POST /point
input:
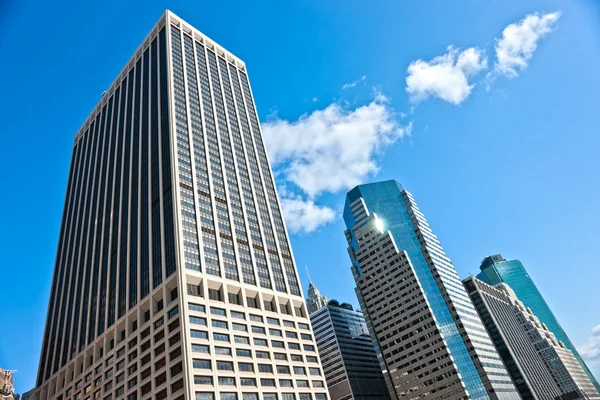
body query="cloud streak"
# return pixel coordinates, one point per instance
(352, 84)
(590, 350)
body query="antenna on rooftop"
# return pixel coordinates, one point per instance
(308, 273)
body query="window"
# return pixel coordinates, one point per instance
(303, 326)
(233, 298)
(262, 354)
(203, 380)
(320, 396)
(224, 365)
(238, 315)
(224, 351)
(288, 396)
(283, 369)
(288, 324)
(228, 396)
(194, 290)
(248, 381)
(217, 311)
(280, 356)
(249, 396)
(245, 367)
(267, 382)
(299, 371)
(251, 302)
(305, 336)
(318, 384)
(242, 340)
(173, 312)
(239, 327)
(293, 346)
(286, 383)
(214, 294)
(243, 353)
(202, 364)
(274, 332)
(198, 334)
(227, 380)
(305, 396)
(258, 329)
(260, 342)
(296, 357)
(197, 320)
(199, 348)
(315, 371)
(291, 335)
(272, 321)
(302, 383)
(298, 311)
(309, 347)
(204, 396)
(269, 396)
(256, 318)
(221, 337)
(109, 373)
(268, 305)
(265, 368)
(278, 344)
(196, 307)
(311, 359)
(219, 324)
(283, 308)
(120, 391)
(132, 383)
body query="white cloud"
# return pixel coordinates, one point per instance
(519, 41)
(329, 150)
(446, 76)
(304, 216)
(315, 99)
(590, 350)
(352, 84)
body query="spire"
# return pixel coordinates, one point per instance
(314, 301)
(308, 273)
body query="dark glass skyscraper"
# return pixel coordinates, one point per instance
(430, 339)
(495, 269)
(173, 258)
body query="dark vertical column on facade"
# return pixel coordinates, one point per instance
(76, 245)
(116, 213)
(78, 332)
(65, 261)
(144, 136)
(135, 210)
(155, 159)
(169, 228)
(126, 201)
(48, 344)
(109, 201)
(99, 210)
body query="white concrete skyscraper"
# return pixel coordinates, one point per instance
(174, 276)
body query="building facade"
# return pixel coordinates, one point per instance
(347, 353)
(7, 389)
(429, 338)
(495, 269)
(314, 301)
(496, 306)
(174, 275)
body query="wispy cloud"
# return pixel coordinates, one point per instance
(519, 42)
(446, 76)
(590, 350)
(352, 84)
(327, 151)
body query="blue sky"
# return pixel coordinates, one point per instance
(498, 163)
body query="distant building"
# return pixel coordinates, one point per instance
(347, 354)
(430, 341)
(314, 301)
(495, 269)
(540, 365)
(7, 389)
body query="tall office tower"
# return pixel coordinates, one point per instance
(498, 311)
(495, 269)
(430, 340)
(541, 366)
(314, 301)
(173, 259)
(347, 353)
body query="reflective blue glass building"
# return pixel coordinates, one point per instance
(442, 327)
(495, 269)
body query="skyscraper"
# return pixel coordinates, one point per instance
(314, 301)
(495, 269)
(173, 258)
(430, 340)
(506, 320)
(346, 350)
